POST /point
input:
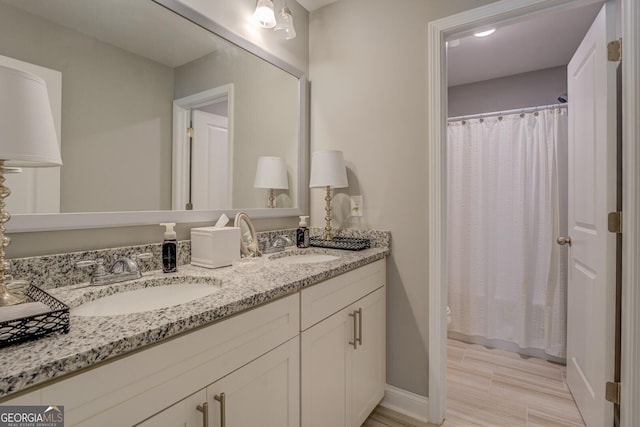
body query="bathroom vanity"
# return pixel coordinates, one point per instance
(286, 345)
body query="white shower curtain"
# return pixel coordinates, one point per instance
(506, 206)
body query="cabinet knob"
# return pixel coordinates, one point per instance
(204, 408)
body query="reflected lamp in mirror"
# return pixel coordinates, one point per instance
(27, 139)
(264, 14)
(271, 173)
(328, 170)
(285, 23)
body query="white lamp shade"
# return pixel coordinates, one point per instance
(271, 172)
(27, 133)
(327, 169)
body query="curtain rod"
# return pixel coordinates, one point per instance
(502, 113)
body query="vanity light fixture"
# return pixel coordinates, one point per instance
(485, 33)
(328, 170)
(27, 139)
(285, 23)
(264, 14)
(271, 173)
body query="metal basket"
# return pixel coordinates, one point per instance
(32, 327)
(348, 243)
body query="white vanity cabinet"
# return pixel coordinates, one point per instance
(262, 393)
(129, 390)
(343, 348)
(313, 358)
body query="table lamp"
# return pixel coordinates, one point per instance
(27, 139)
(328, 170)
(271, 173)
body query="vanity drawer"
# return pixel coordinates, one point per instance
(321, 301)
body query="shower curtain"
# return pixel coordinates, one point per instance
(506, 206)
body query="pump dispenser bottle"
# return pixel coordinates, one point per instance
(169, 249)
(302, 233)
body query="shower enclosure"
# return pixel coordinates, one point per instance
(507, 202)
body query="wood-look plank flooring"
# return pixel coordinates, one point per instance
(492, 387)
(497, 388)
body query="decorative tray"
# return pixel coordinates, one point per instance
(348, 243)
(31, 327)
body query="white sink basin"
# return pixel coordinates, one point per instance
(306, 259)
(145, 299)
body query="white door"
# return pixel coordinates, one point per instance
(210, 164)
(592, 178)
(181, 414)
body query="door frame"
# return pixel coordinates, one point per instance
(180, 148)
(463, 24)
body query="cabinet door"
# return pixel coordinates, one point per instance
(181, 414)
(262, 393)
(326, 366)
(368, 367)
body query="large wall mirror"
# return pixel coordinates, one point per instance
(160, 116)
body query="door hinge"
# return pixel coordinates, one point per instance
(612, 392)
(189, 132)
(614, 50)
(615, 222)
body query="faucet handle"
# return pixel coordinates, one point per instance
(142, 256)
(98, 263)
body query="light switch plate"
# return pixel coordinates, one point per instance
(356, 205)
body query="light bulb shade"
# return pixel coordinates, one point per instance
(27, 133)
(285, 24)
(271, 172)
(327, 169)
(264, 14)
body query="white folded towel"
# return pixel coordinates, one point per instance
(18, 311)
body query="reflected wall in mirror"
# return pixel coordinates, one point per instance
(123, 64)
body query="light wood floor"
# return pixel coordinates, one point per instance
(496, 388)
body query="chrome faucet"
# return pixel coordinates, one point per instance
(123, 269)
(278, 244)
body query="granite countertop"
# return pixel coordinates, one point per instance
(96, 339)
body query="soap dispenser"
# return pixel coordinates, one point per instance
(169, 249)
(302, 233)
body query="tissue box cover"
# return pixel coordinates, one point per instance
(215, 247)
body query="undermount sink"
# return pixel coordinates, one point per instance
(311, 258)
(151, 296)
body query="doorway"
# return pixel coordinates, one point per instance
(438, 31)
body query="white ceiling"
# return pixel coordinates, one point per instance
(545, 41)
(141, 27)
(312, 5)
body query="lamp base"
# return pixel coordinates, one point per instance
(327, 216)
(6, 297)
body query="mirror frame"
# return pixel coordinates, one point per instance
(21, 223)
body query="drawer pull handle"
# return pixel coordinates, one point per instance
(359, 312)
(223, 417)
(204, 408)
(354, 343)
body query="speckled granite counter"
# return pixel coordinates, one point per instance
(96, 339)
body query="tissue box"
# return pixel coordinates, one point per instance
(215, 247)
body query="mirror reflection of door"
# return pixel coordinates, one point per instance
(210, 150)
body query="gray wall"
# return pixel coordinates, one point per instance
(541, 87)
(232, 15)
(368, 98)
(116, 115)
(261, 126)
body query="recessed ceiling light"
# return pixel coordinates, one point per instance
(484, 33)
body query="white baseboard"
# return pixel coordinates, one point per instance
(406, 402)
